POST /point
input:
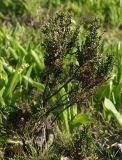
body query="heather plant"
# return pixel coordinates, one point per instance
(77, 80)
(72, 72)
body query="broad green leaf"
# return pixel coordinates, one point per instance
(1, 96)
(82, 119)
(110, 107)
(16, 45)
(38, 85)
(3, 77)
(14, 80)
(65, 115)
(37, 60)
(13, 52)
(9, 68)
(28, 75)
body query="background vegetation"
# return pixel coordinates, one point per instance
(60, 79)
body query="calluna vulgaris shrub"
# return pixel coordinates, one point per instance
(88, 69)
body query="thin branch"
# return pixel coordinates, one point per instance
(63, 85)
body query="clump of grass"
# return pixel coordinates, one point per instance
(80, 145)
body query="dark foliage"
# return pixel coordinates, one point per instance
(61, 38)
(12, 7)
